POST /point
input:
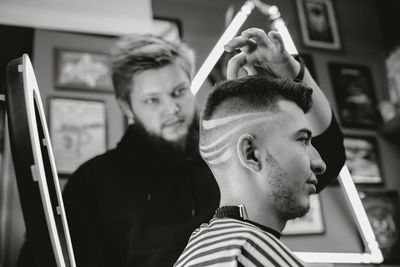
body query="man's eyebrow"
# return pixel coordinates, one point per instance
(180, 85)
(306, 131)
(149, 94)
(156, 93)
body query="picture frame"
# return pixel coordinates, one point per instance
(311, 223)
(318, 24)
(82, 70)
(168, 28)
(363, 159)
(355, 95)
(392, 65)
(78, 131)
(382, 208)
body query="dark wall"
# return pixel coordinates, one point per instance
(15, 42)
(388, 12)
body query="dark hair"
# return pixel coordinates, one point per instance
(135, 52)
(254, 93)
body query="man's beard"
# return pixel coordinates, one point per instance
(181, 149)
(286, 204)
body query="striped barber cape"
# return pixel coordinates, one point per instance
(230, 242)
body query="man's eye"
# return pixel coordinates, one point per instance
(179, 92)
(151, 100)
(305, 140)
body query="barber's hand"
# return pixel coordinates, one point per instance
(260, 51)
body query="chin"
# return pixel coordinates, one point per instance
(176, 136)
(297, 210)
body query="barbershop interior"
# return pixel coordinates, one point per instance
(59, 109)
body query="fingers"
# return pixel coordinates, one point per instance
(234, 65)
(258, 35)
(250, 70)
(277, 40)
(253, 37)
(240, 43)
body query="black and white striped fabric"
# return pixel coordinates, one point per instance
(229, 242)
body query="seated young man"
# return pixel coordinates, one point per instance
(255, 135)
(256, 139)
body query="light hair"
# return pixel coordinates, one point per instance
(137, 52)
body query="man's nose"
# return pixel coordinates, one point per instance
(318, 166)
(172, 106)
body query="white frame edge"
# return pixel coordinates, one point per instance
(32, 95)
(218, 49)
(373, 253)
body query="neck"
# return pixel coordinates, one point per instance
(260, 214)
(235, 190)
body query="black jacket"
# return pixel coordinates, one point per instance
(133, 206)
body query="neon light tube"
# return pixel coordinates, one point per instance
(218, 49)
(280, 27)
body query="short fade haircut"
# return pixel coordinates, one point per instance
(232, 106)
(254, 93)
(134, 53)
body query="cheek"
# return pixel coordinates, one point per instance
(188, 105)
(149, 117)
(296, 164)
(187, 101)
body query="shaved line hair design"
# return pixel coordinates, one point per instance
(134, 53)
(235, 106)
(216, 152)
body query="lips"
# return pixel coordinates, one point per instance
(312, 181)
(173, 122)
(313, 189)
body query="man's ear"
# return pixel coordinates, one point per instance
(127, 110)
(248, 153)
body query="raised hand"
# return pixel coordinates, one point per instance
(260, 51)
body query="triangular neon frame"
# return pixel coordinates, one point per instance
(372, 253)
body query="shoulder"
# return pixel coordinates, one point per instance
(91, 171)
(232, 240)
(98, 163)
(221, 240)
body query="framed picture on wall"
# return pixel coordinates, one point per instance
(363, 159)
(78, 131)
(311, 223)
(82, 70)
(318, 24)
(382, 208)
(168, 28)
(392, 63)
(355, 95)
